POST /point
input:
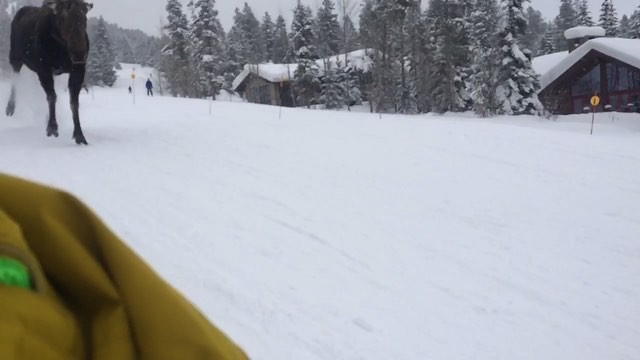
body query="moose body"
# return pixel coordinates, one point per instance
(52, 40)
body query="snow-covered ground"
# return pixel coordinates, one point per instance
(334, 235)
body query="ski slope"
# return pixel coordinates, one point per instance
(333, 235)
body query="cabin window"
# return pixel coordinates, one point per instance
(578, 105)
(622, 78)
(623, 83)
(634, 79)
(613, 101)
(588, 84)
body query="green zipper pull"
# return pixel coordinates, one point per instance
(14, 273)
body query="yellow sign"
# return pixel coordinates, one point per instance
(595, 100)
(133, 76)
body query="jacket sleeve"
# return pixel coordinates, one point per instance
(125, 310)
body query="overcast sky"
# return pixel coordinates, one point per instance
(147, 14)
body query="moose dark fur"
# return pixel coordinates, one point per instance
(52, 40)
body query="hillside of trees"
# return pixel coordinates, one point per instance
(453, 56)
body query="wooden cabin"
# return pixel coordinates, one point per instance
(607, 67)
(271, 84)
(265, 88)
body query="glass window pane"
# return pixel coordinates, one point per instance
(623, 78)
(588, 84)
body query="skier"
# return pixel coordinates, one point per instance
(149, 85)
(71, 289)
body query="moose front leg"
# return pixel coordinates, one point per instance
(76, 79)
(46, 80)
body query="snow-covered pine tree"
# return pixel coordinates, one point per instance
(518, 82)
(175, 60)
(624, 29)
(207, 49)
(254, 43)
(634, 24)
(369, 39)
(486, 58)
(235, 45)
(191, 9)
(159, 60)
(451, 56)
(146, 52)
(281, 52)
(379, 20)
(389, 85)
(306, 83)
(126, 53)
(101, 62)
(303, 38)
(351, 79)
(566, 19)
(328, 30)
(424, 64)
(535, 30)
(328, 41)
(93, 74)
(350, 40)
(406, 57)
(584, 14)
(267, 29)
(192, 41)
(333, 89)
(548, 45)
(609, 18)
(367, 28)
(5, 29)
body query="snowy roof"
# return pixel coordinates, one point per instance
(625, 50)
(542, 64)
(359, 59)
(584, 31)
(270, 72)
(239, 79)
(273, 72)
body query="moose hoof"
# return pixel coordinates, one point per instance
(52, 132)
(10, 109)
(80, 140)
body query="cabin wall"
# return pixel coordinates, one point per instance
(261, 91)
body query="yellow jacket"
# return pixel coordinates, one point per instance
(92, 297)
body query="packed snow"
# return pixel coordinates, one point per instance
(141, 74)
(334, 235)
(584, 31)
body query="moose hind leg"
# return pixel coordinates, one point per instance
(46, 80)
(11, 105)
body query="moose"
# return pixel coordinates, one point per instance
(52, 40)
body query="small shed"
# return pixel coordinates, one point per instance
(268, 84)
(271, 84)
